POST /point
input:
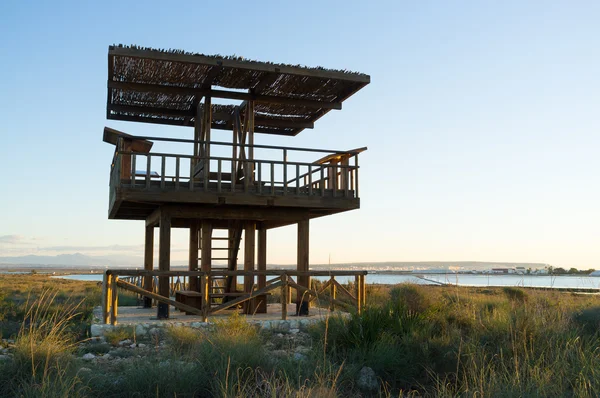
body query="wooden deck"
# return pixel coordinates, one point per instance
(142, 181)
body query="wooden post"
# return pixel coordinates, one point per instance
(206, 256)
(250, 128)
(249, 246)
(164, 262)
(205, 290)
(284, 296)
(193, 255)
(359, 299)
(333, 288)
(206, 125)
(364, 290)
(303, 300)
(114, 301)
(148, 263)
(262, 266)
(106, 296)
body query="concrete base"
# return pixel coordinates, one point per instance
(144, 319)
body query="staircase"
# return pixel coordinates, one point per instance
(225, 244)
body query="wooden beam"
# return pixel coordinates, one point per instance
(237, 213)
(302, 304)
(233, 95)
(251, 295)
(154, 218)
(166, 301)
(238, 64)
(148, 263)
(186, 123)
(206, 246)
(193, 255)
(164, 262)
(249, 254)
(262, 256)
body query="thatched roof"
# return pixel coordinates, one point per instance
(165, 87)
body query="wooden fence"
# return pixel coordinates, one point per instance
(330, 291)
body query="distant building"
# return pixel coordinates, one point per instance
(500, 270)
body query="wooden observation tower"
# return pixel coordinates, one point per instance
(224, 188)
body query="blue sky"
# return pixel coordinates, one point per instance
(481, 120)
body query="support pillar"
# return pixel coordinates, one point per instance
(148, 263)
(193, 256)
(206, 261)
(261, 307)
(164, 262)
(249, 246)
(302, 300)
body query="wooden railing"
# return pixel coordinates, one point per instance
(331, 291)
(166, 171)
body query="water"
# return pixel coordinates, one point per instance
(561, 281)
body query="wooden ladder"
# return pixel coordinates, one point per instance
(223, 288)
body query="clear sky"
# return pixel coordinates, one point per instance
(482, 122)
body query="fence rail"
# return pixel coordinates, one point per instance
(167, 171)
(135, 281)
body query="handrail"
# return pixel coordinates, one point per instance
(259, 146)
(129, 272)
(135, 281)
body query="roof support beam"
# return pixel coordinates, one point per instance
(187, 123)
(216, 116)
(234, 95)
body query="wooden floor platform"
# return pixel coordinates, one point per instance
(140, 315)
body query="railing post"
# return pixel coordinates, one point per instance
(272, 178)
(148, 167)
(219, 166)
(106, 296)
(333, 288)
(310, 185)
(359, 299)
(204, 290)
(364, 290)
(259, 167)
(177, 161)
(356, 176)
(114, 301)
(297, 179)
(133, 158)
(285, 184)
(284, 296)
(163, 168)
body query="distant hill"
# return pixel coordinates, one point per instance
(81, 260)
(71, 260)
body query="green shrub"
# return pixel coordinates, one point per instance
(118, 334)
(515, 294)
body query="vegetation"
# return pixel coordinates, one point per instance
(418, 340)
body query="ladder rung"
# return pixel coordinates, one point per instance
(219, 238)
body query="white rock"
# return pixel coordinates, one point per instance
(299, 357)
(85, 370)
(294, 331)
(97, 330)
(140, 330)
(141, 345)
(367, 380)
(124, 343)
(88, 357)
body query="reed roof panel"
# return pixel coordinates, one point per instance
(160, 86)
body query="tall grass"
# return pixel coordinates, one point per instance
(42, 351)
